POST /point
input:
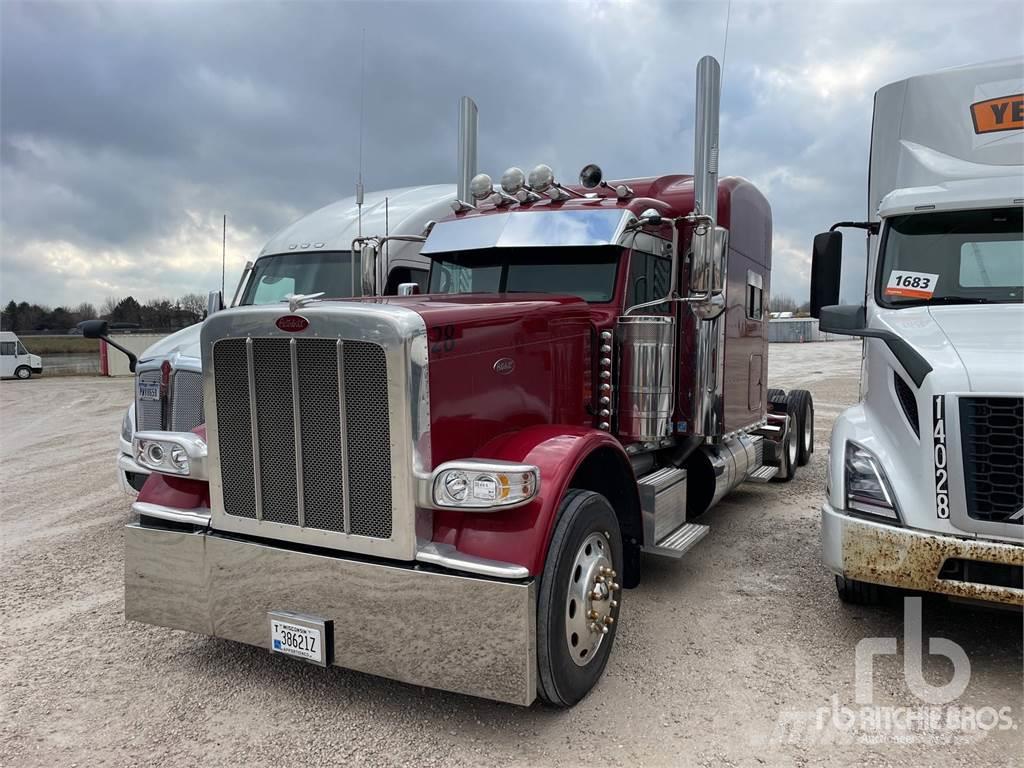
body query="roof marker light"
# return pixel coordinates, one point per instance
(512, 180)
(481, 186)
(541, 178)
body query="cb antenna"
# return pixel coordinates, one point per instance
(359, 181)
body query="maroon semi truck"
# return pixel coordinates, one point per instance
(453, 489)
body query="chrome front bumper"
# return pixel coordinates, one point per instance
(458, 633)
(910, 559)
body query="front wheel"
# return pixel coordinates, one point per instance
(579, 596)
(24, 372)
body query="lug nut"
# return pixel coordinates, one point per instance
(609, 620)
(604, 630)
(615, 603)
(614, 586)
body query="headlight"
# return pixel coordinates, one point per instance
(867, 488)
(484, 485)
(171, 453)
(128, 424)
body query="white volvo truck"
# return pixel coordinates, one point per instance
(925, 473)
(311, 255)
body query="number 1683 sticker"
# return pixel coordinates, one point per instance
(911, 285)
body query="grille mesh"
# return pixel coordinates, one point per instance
(187, 401)
(369, 439)
(364, 394)
(148, 412)
(232, 375)
(321, 435)
(992, 435)
(273, 368)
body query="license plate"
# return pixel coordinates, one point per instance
(149, 390)
(303, 637)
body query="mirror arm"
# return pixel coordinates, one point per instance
(870, 226)
(132, 359)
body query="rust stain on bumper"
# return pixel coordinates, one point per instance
(912, 560)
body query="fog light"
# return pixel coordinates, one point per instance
(484, 485)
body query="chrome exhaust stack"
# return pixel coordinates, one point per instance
(710, 246)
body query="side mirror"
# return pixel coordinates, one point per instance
(709, 260)
(368, 264)
(826, 270)
(94, 329)
(408, 289)
(97, 329)
(842, 319)
(214, 302)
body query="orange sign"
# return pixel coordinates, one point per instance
(1003, 114)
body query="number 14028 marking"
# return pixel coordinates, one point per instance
(939, 458)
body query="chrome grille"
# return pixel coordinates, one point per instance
(186, 395)
(283, 436)
(187, 401)
(148, 413)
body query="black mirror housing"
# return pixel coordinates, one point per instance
(826, 270)
(94, 329)
(842, 319)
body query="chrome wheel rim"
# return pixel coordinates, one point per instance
(791, 449)
(808, 430)
(590, 599)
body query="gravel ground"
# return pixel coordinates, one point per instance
(714, 650)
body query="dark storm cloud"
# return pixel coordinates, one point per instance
(126, 129)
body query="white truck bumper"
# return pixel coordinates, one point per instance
(910, 559)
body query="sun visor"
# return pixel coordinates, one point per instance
(526, 229)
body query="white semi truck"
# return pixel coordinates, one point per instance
(924, 490)
(312, 255)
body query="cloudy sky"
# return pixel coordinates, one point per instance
(128, 129)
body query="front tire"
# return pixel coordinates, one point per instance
(578, 600)
(23, 372)
(853, 592)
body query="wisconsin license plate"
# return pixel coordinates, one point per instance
(149, 390)
(304, 637)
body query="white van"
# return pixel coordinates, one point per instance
(15, 361)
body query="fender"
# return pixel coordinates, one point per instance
(177, 492)
(522, 535)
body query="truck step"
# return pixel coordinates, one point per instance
(763, 475)
(680, 541)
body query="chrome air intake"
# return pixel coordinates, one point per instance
(314, 436)
(646, 371)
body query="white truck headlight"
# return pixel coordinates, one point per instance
(867, 488)
(171, 453)
(483, 485)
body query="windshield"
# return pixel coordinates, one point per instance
(957, 257)
(587, 272)
(275, 277)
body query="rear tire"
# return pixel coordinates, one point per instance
(23, 372)
(853, 592)
(571, 656)
(776, 395)
(789, 452)
(800, 405)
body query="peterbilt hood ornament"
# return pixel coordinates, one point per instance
(298, 300)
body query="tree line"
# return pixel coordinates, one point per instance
(156, 314)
